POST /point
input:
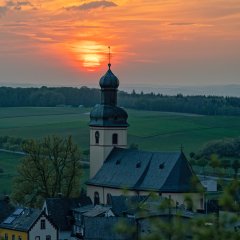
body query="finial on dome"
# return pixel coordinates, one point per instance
(109, 57)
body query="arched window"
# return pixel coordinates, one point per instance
(115, 138)
(96, 198)
(97, 136)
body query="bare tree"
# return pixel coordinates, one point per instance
(51, 166)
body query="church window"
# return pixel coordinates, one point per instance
(96, 198)
(161, 166)
(97, 136)
(138, 165)
(115, 138)
(118, 162)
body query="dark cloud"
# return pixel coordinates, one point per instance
(181, 24)
(93, 5)
(3, 10)
(16, 5)
(10, 4)
(24, 3)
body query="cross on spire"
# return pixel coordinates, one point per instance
(109, 57)
(181, 148)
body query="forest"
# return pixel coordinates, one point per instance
(68, 96)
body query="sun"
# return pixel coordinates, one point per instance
(90, 54)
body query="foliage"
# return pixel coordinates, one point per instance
(180, 224)
(236, 166)
(223, 148)
(51, 166)
(11, 143)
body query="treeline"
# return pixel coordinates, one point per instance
(11, 143)
(223, 148)
(50, 97)
(218, 154)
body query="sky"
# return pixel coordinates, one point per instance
(153, 42)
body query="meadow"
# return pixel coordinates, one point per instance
(155, 131)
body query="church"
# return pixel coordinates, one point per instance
(115, 169)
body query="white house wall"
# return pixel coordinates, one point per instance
(42, 233)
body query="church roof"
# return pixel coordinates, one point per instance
(147, 171)
(109, 80)
(106, 115)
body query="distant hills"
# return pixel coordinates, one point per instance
(232, 90)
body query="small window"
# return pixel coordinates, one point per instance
(19, 238)
(43, 224)
(138, 165)
(37, 238)
(118, 162)
(97, 136)
(6, 236)
(161, 166)
(96, 198)
(13, 237)
(115, 138)
(48, 237)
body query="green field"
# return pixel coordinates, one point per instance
(150, 130)
(8, 162)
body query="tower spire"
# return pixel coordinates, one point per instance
(109, 57)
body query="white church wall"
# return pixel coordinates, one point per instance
(197, 198)
(99, 151)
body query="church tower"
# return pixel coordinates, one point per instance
(108, 123)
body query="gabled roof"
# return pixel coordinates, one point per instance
(21, 220)
(60, 210)
(105, 228)
(147, 171)
(125, 204)
(98, 210)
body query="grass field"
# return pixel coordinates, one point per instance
(150, 130)
(8, 162)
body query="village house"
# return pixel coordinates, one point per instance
(60, 211)
(28, 224)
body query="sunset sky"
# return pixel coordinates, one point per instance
(164, 42)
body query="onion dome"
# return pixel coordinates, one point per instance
(108, 116)
(109, 80)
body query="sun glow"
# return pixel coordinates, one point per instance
(90, 54)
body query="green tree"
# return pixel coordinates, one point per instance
(202, 162)
(51, 166)
(225, 164)
(235, 167)
(214, 162)
(168, 222)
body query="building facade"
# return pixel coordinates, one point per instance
(28, 224)
(114, 169)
